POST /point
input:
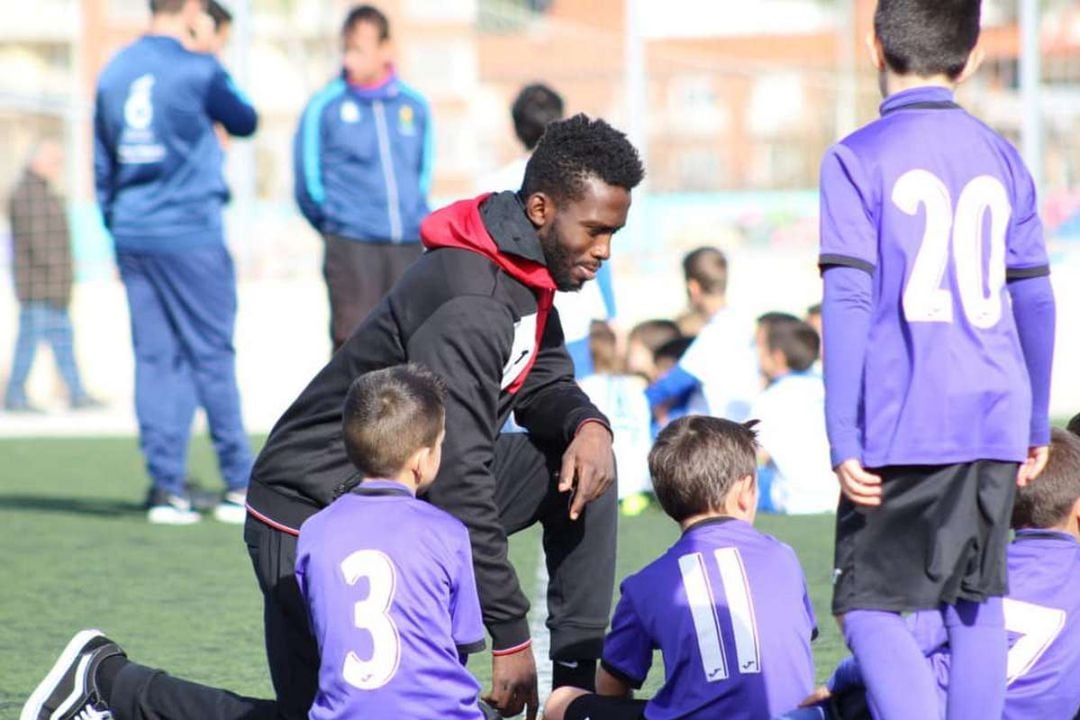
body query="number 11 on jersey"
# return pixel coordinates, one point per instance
(736, 589)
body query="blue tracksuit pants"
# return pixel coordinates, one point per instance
(183, 311)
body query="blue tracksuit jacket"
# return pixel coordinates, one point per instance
(157, 161)
(362, 161)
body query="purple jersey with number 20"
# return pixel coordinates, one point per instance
(941, 211)
(389, 585)
(727, 607)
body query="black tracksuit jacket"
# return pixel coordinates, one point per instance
(476, 308)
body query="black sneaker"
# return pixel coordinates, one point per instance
(69, 691)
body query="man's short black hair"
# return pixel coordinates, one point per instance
(796, 340)
(169, 7)
(695, 462)
(709, 268)
(573, 150)
(1074, 425)
(673, 350)
(389, 414)
(368, 14)
(219, 13)
(927, 37)
(1046, 501)
(534, 108)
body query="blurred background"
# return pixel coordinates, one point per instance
(732, 104)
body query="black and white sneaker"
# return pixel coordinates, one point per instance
(233, 507)
(69, 691)
(166, 508)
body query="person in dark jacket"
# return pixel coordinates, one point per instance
(362, 162)
(476, 309)
(158, 172)
(41, 252)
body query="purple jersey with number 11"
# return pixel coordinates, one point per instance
(388, 580)
(727, 607)
(942, 212)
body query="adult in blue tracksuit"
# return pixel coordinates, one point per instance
(362, 162)
(158, 172)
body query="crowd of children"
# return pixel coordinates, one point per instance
(713, 361)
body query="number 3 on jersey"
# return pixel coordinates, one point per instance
(373, 615)
(699, 595)
(924, 298)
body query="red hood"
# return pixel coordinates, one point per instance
(460, 226)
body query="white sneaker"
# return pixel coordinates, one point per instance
(233, 508)
(169, 509)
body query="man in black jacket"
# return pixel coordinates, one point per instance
(476, 308)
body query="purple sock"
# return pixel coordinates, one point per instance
(899, 682)
(978, 645)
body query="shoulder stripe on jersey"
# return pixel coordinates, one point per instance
(1028, 272)
(471, 648)
(829, 260)
(427, 159)
(632, 682)
(311, 126)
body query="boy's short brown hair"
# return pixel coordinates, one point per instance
(696, 460)
(1046, 501)
(389, 414)
(708, 267)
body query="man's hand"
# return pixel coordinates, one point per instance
(860, 487)
(1033, 466)
(820, 694)
(513, 684)
(588, 466)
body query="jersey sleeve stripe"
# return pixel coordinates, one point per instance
(626, 678)
(829, 260)
(312, 130)
(1027, 272)
(471, 648)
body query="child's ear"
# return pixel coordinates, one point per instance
(974, 61)
(747, 497)
(877, 53)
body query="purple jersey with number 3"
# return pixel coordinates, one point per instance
(941, 211)
(388, 580)
(1042, 617)
(727, 607)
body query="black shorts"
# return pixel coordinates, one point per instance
(600, 707)
(939, 536)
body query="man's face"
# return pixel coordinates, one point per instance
(576, 234)
(364, 56)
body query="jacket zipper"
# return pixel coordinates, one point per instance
(385, 155)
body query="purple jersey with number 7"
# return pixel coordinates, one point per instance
(941, 211)
(388, 580)
(1042, 617)
(727, 607)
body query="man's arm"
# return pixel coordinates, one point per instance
(226, 104)
(104, 166)
(308, 187)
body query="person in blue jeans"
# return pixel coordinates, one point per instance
(41, 261)
(158, 172)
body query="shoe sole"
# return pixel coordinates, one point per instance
(231, 514)
(170, 516)
(32, 710)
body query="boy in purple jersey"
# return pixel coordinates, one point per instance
(387, 579)
(1042, 610)
(726, 605)
(938, 326)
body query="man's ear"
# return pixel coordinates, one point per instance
(877, 53)
(539, 208)
(974, 61)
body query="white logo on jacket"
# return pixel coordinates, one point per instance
(350, 112)
(522, 349)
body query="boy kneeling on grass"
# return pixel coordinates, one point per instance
(726, 605)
